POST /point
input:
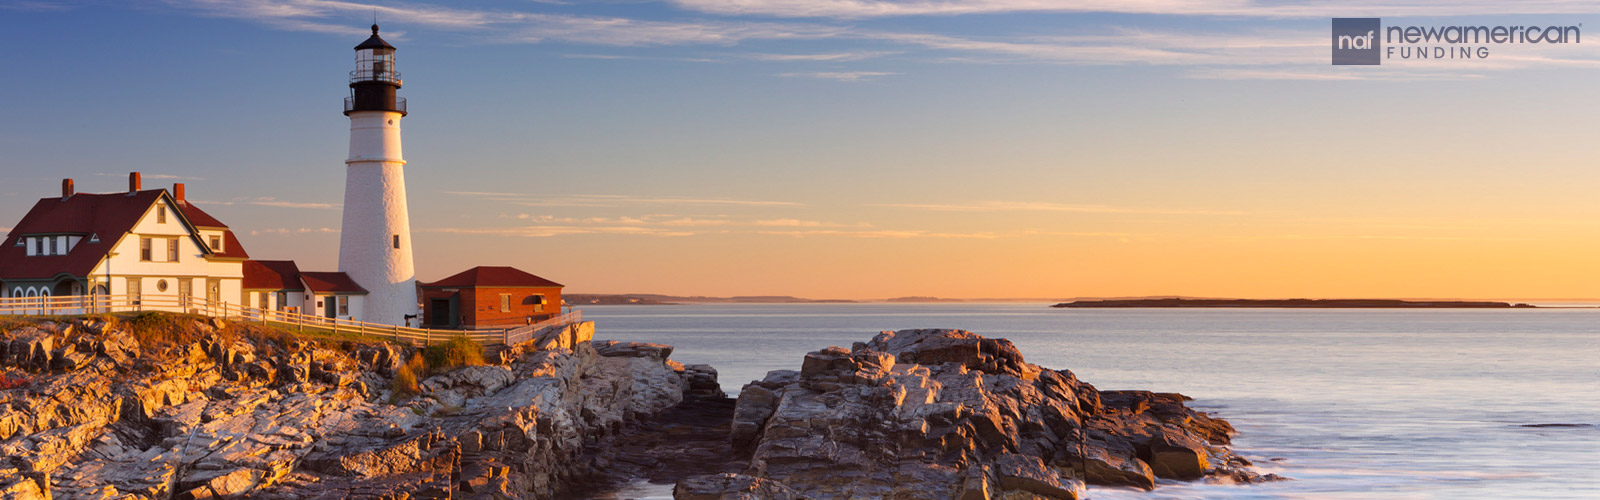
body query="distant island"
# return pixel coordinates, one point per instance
(921, 299)
(1297, 303)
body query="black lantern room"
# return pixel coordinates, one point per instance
(374, 81)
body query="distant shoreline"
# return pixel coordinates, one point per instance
(1163, 301)
(1295, 304)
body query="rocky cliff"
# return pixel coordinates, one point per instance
(947, 414)
(175, 407)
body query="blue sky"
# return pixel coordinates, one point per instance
(847, 148)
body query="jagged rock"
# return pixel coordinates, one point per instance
(22, 487)
(1106, 463)
(453, 388)
(947, 414)
(237, 416)
(1176, 456)
(732, 487)
(702, 381)
(1029, 474)
(612, 348)
(31, 348)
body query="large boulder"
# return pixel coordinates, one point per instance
(948, 414)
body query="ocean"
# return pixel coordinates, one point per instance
(1350, 403)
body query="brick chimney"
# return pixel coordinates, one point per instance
(177, 192)
(67, 189)
(134, 183)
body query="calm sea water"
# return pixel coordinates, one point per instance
(1358, 404)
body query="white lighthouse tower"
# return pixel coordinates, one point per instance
(375, 238)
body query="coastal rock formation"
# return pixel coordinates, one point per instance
(173, 407)
(948, 414)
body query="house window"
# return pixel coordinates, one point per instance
(144, 249)
(62, 245)
(161, 286)
(397, 241)
(216, 243)
(172, 249)
(185, 291)
(161, 214)
(505, 302)
(538, 302)
(344, 305)
(283, 300)
(263, 298)
(52, 247)
(135, 293)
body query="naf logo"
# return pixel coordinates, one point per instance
(1357, 40)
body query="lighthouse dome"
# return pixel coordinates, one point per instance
(373, 42)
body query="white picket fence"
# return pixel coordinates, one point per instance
(76, 305)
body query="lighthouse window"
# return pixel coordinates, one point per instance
(397, 241)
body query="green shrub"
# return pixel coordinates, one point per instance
(459, 351)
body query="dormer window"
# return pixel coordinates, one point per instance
(216, 243)
(94, 238)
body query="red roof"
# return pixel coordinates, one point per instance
(108, 216)
(493, 277)
(199, 217)
(230, 247)
(330, 283)
(271, 275)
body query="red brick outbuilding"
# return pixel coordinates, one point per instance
(489, 296)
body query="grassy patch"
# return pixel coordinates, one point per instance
(456, 353)
(404, 385)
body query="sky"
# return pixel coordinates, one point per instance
(852, 149)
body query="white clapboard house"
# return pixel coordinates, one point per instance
(152, 250)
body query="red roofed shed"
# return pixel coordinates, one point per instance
(490, 296)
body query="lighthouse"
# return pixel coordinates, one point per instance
(375, 237)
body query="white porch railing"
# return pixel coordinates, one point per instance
(76, 305)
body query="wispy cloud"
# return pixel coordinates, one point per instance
(143, 175)
(1325, 75)
(855, 9)
(1025, 206)
(295, 230)
(804, 223)
(34, 6)
(545, 231)
(612, 200)
(1401, 237)
(1257, 53)
(274, 202)
(881, 233)
(500, 26)
(824, 57)
(841, 76)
